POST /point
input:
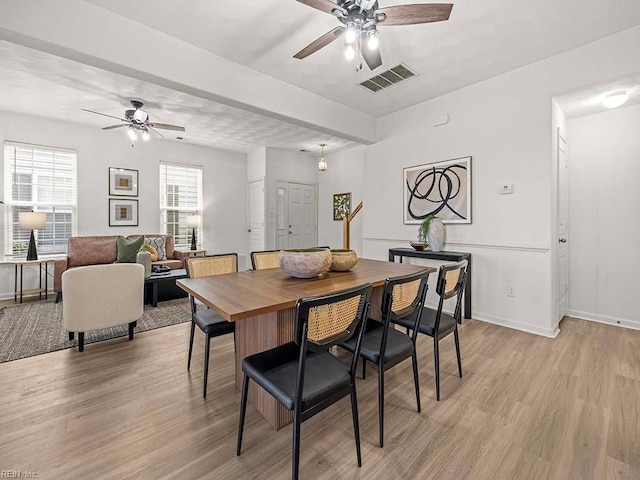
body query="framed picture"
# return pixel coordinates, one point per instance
(341, 205)
(123, 212)
(123, 182)
(442, 189)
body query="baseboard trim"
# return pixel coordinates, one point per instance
(615, 321)
(523, 327)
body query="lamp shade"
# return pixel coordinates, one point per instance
(32, 220)
(193, 221)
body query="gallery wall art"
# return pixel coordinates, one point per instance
(341, 205)
(123, 182)
(442, 189)
(123, 212)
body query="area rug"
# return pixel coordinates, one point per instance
(36, 328)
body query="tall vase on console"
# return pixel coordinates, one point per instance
(436, 234)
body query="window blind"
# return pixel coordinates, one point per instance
(180, 196)
(39, 179)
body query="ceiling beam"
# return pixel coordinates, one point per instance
(89, 34)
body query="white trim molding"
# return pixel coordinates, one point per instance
(524, 247)
(607, 320)
(523, 327)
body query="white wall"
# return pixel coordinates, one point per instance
(344, 174)
(604, 231)
(505, 123)
(224, 179)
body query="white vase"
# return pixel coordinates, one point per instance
(436, 235)
(144, 258)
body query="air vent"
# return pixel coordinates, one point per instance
(391, 77)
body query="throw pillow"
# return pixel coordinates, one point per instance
(159, 244)
(127, 250)
(148, 248)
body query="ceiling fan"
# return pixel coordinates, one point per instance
(360, 21)
(138, 122)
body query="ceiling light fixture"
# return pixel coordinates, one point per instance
(350, 52)
(615, 99)
(145, 135)
(373, 42)
(352, 34)
(132, 133)
(322, 163)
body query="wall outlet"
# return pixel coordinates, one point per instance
(511, 291)
(506, 188)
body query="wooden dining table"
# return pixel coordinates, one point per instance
(262, 305)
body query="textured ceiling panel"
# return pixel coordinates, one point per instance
(483, 38)
(40, 84)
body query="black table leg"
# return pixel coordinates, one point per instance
(15, 283)
(46, 281)
(40, 280)
(21, 275)
(392, 257)
(154, 299)
(467, 291)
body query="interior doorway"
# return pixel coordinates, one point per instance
(563, 226)
(296, 215)
(256, 216)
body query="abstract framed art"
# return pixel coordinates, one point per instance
(341, 205)
(442, 189)
(123, 212)
(123, 182)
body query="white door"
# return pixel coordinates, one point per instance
(302, 208)
(282, 216)
(563, 228)
(256, 216)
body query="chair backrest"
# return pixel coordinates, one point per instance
(403, 297)
(452, 280)
(212, 265)
(102, 296)
(265, 259)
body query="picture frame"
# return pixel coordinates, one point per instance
(123, 212)
(341, 205)
(442, 189)
(123, 182)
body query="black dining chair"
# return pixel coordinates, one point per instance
(402, 298)
(303, 375)
(438, 324)
(211, 324)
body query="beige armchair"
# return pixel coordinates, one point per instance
(102, 296)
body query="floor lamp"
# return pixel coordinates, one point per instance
(32, 221)
(193, 222)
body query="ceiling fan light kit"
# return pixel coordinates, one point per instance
(360, 21)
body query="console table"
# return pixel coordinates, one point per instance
(444, 256)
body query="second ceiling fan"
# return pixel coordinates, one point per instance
(360, 21)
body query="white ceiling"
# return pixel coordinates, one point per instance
(588, 101)
(483, 38)
(36, 83)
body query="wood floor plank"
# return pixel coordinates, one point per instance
(527, 407)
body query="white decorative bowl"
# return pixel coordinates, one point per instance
(343, 260)
(305, 262)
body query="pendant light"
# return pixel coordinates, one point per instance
(322, 163)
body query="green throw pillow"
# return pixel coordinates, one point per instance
(127, 250)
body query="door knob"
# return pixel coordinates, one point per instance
(563, 240)
(290, 232)
(249, 230)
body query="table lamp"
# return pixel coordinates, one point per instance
(193, 222)
(32, 221)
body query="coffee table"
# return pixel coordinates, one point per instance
(168, 279)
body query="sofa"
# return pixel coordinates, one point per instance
(83, 251)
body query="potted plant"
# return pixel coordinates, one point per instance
(432, 233)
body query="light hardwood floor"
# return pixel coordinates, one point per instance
(527, 407)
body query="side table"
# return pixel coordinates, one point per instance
(39, 290)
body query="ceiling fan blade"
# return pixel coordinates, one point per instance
(115, 126)
(415, 14)
(372, 57)
(166, 126)
(103, 114)
(325, 6)
(156, 131)
(321, 42)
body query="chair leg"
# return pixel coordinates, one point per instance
(295, 461)
(81, 341)
(207, 343)
(416, 380)
(58, 297)
(364, 368)
(243, 410)
(193, 329)
(381, 403)
(436, 360)
(356, 423)
(131, 327)
(71, 336)
(457, 339)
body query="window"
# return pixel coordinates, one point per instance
(180, 196)
(39, 179)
